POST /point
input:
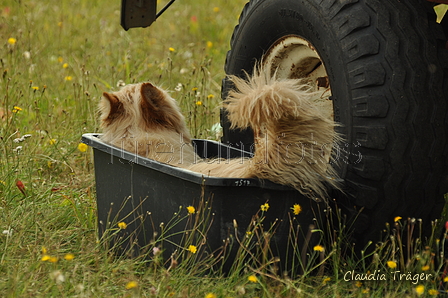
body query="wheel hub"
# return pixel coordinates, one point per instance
(293, 57)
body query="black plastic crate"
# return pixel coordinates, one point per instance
(147, 195)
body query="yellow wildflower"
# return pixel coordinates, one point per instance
(325, 280)
(215, 9)
(12, 41)
(52, 141)
(366, 291)
(296, 209)
(172, 49)
(358, 284)
(16, 109)
(193, 249)
(209, 44)
(264, 207)
(69, 257)
(68, 78)
(210, 96)
(425, 268)
(391, 264)
(210, 295)
(252, 278)
(420, 290)
(82, 147)
(45, 257)
(131, 285)
(433, 292)
(191, 209)
(122, 225)
(199, 103)
(319, 248)
(445, 279)
(397, 218)
(65, 65)
(35, 88)
(60, 59)
(53, 260)
(194, 89)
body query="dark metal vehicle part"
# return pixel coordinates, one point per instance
(140, 13)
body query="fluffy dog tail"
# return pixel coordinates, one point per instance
(262, 98)
(293, 139)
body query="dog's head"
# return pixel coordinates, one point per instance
(141, 106)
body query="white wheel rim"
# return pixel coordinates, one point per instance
(294, 57)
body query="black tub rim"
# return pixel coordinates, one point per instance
(93, 140)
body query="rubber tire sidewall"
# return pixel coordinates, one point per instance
(262, 23)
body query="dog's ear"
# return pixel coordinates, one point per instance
(152, 96)
(156, 109)
(116, 107)
(151, 104)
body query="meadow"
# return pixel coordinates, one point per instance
(56, 59)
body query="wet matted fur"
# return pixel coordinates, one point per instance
(293, 140)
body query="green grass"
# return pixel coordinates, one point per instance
(56, 59)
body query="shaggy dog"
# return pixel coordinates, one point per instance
(293, 140)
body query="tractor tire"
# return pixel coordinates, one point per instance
(387, 69)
